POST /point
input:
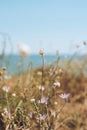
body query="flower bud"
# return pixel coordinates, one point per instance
(41, 52)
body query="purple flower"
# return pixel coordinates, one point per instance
(6, 111)
(42, 117)
(43, 100)
(64, 96)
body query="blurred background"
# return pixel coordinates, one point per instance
(50, 25)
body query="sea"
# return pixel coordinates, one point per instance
(16, 64)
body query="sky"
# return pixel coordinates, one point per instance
(48, 24)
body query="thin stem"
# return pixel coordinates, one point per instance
(37, 110)
(42, 68)
(7, 103)
(42, 80)
(61, 108)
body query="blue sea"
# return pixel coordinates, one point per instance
(15, 64)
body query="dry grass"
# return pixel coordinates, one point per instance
(33, 101)
(19, 113)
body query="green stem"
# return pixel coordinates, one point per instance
(7, 101)
(42, 81)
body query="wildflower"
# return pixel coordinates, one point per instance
(42, 117)
(32, 100)
(43, 100)
(41, 52)
(14, 94)
(64, 96)
(6, 89)
(6, 111)
(1, 73)
(4, 68)
(30, 114)
(39, 73)
(41, 88)
(57, 84)
(23, 50)
(55, 103)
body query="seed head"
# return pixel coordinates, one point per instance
(57, 84)
(6, 89)
(1, 73)
(41, 88)
(14, 94)
(55, 103)
(32, 100)
(4, 68)
(41, 52)
(24, 50)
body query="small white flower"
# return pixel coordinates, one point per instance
(32, 100)
(55, 103)
(23, 50)
(57, 84)
(6, 111)
(64, 96)
(39, 73)
(14, 94)
(41, 88)
(6, 89)
(7, 77)
(2, 114)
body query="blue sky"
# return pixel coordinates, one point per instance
(49, 24)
